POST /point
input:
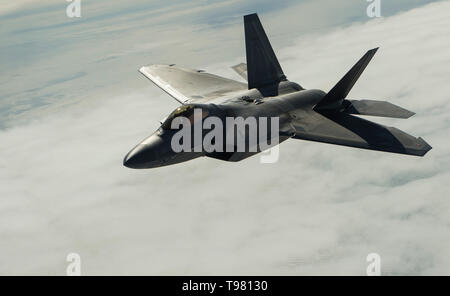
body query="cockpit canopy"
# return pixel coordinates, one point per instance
(186, 111)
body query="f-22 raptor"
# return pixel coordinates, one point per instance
(306, 114)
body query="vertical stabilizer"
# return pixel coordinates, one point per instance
(334, 99)
(263, 67)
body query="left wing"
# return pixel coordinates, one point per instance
(347, 130)
(187, 85)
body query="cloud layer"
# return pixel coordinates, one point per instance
(320, 210)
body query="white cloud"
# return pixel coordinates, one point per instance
(320, 210)
(11, 6)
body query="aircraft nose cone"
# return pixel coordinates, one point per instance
(144, 155)
(135, 159)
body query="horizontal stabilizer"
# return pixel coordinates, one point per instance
(343, 129)
(334, 99)
(241, 69)
(375, 108)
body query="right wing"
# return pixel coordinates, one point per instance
(347, 130)
(187, 86)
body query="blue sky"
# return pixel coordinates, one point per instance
(72, 104)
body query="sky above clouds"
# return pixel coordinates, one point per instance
(66, 60)
(72, 104)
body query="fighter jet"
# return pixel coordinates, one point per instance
(305, 114)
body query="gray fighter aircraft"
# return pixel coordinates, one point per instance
(303, 114)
